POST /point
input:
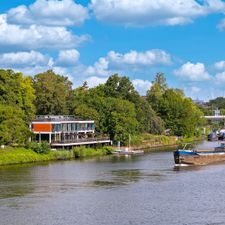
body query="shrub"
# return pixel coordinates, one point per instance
(41, 148)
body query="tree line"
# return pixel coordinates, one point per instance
(117, 108)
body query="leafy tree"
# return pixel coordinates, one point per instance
(154, 95)
(17, 90)
(180, 114)
(120, 119)
(53, 93)
(13, 129)
(120, 87)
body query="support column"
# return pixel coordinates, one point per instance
(39, 137)
(50, 138)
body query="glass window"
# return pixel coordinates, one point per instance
(64, 127)
(73, 127)
(69, 127)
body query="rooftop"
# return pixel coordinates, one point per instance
(50, 118)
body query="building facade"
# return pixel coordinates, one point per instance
(65, 130)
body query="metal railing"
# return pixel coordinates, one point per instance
(81, 140)
(51, 118)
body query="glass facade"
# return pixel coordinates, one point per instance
(73, 127)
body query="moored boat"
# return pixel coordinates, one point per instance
(127, 151)
(199, 157)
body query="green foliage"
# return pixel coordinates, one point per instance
(10, 156)
(13, 129)
(16, 90)
(41, 148)
(146, 140)
(218, 102)
(82, 152)
(117, 109)
(179, 113)
(53, 93)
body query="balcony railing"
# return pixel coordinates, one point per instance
(67, 141)
(51, 118)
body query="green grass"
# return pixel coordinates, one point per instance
(82, 152)
(151, 140)
(10, 155)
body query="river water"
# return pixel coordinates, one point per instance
(145, 189)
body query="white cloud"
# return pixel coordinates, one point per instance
(148, 58)
(195, 90)
(153, 12)
(36, 37)
(193, 72)
(101, 67)
(68, 57)
(95, 81)
(49, 13)
(220, 65)
(24, 59)
(142, 86)
(133, 60)
(220, 77)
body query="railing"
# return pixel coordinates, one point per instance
(50, 118)
(74, 131)
(81, 140)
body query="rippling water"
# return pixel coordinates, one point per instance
(144, 189)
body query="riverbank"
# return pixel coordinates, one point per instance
(149, 141)
(10, 155)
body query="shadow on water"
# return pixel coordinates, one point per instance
(124, 177)
(16, 181)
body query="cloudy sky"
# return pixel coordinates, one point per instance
(92, 39)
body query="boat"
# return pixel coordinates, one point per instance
(127, 150)
(190, 156)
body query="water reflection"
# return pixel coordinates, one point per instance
(16, 181)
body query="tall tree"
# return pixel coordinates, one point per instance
(17, 90)
(154, 95)
(53, 93)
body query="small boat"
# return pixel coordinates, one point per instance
(199, 157)
(127, 151)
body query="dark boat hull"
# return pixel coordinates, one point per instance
(198, 157)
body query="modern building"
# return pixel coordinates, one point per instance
(65, 131)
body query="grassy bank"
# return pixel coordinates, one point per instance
(9, 155)
(21, 155)
(144, 141)
(83, 152)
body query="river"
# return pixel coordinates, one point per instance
(145, 189)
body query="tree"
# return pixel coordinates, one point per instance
(180, 114)
(155, 93)
(53, 93)
(16, 90)
(120, 119)
(13, 129)
(120, 87)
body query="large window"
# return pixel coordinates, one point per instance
(56, 127)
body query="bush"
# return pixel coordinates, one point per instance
(41, 148)
(82, 151)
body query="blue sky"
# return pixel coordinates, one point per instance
(92, 39)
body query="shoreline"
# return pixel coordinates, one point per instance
(16, 156)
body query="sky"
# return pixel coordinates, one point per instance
(89, 40)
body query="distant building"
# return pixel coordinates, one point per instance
(65, 131)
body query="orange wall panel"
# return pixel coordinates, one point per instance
(42, 127)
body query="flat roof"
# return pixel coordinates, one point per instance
(58, 118)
